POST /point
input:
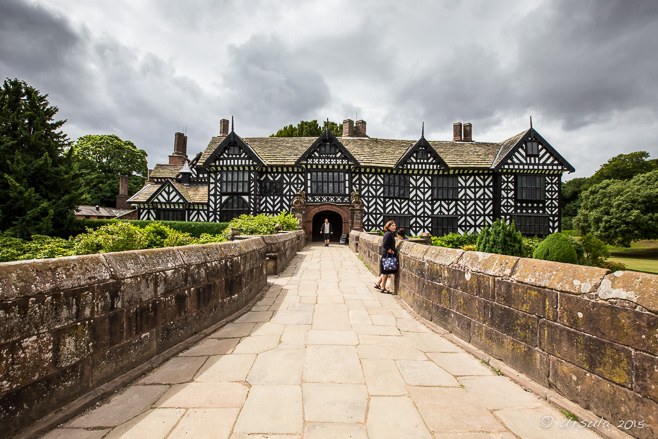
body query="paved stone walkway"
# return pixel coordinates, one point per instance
(322, 355)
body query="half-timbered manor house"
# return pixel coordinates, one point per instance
(425, 186)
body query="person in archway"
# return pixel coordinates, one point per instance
(326, 230)
(388, 250)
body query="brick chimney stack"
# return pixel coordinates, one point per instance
(179, 157)
(122, 198)
(457, 132)
(348, 128)
(223, 128)
(360, 130)
(468, 132)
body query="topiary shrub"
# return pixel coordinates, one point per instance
(558, 248)
(501, 238)
(455, 240)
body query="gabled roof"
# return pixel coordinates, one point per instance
(218, 144)
(511, 145)
(109, 212)
(326, 136)
(144, 193)
(466, 154)
(191, 193)
(412, 150)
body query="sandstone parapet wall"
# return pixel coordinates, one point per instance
(69, 325)
(587, 333)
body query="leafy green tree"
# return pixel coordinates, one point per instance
(571, 201)
(622, 211)
(595, 250)
(308, 129)
(101, 159)
(39, 189)
(624, 167)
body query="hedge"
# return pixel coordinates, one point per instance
(195, 229)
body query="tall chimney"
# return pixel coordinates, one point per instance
(223, 128)
(348, 128)
(468, 132)
(457, 132)
(360, 130)
(122, 198)
(180, 150)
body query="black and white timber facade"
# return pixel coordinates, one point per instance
(438, 187)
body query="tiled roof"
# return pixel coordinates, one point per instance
(192, 193)
(373, 152)
(144, 193)
(109, 212)
(165, 171)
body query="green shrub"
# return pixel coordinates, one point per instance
(595, 250)
(455, 240)
(558, 248)
(501, 238)
(262, 224)
(114, 237)
(195, 229)
(38, 247)
(580, 250)
(530, 244)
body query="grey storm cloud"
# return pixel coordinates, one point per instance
(268, 83)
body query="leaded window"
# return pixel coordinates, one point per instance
(444, 225)
(422, 154)
(401, 221)
(532, 225)
(236, 182)
(270, 187)
(233, 207)
(396, 186)
(532, 148)
(444, 187)
(170, 214)
(328, 148)
(233, 150)
(530, 188)
(327, 182)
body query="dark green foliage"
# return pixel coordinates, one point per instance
(501, 238)
(558, 248)
(38, 186)
(596, 252)
(308, 129)
(455, 240)
(622, 211)
(39, 247)
(262, 224)
(578, 247)
(101, 159)
(195, 229)
(624, 167)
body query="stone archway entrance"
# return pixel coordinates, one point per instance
(338, 216)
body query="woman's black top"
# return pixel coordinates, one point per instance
(388, 244)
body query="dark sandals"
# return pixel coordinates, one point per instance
(387, 292)
(377, 287)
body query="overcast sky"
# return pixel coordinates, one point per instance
(585, 70)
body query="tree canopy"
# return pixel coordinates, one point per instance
(308, 129)
(38, 186)
(101, 159)
(621, 211)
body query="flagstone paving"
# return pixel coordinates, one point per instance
(322, 355)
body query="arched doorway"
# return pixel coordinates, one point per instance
(336, 221)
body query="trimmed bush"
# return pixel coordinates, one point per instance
(558, 248)
(501, 238)
(530, 244)
(455, 240)
(195, 229)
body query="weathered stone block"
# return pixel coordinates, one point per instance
(73, 344)
(533, 300)
(116, 360)
(26, 278)
(108, 330)
(603, 358)
(488, 263)
(625, 326)
(646, 375)
(641, 288)
(107, 297)
(441, 255)
(141, 262)
(576, 279)
(141, 319)
(522, 357)
(25, 360)
(170, 281)
(518, 325)
(468, 305)
(200, 254)
(138, 289)
(437, 293)
(167, 336)
(615, 403)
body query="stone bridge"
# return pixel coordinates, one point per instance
(197, 342)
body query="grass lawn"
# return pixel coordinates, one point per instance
(641, 256)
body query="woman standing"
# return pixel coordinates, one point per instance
(388, 250)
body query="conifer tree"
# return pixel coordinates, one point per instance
(38, 187)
